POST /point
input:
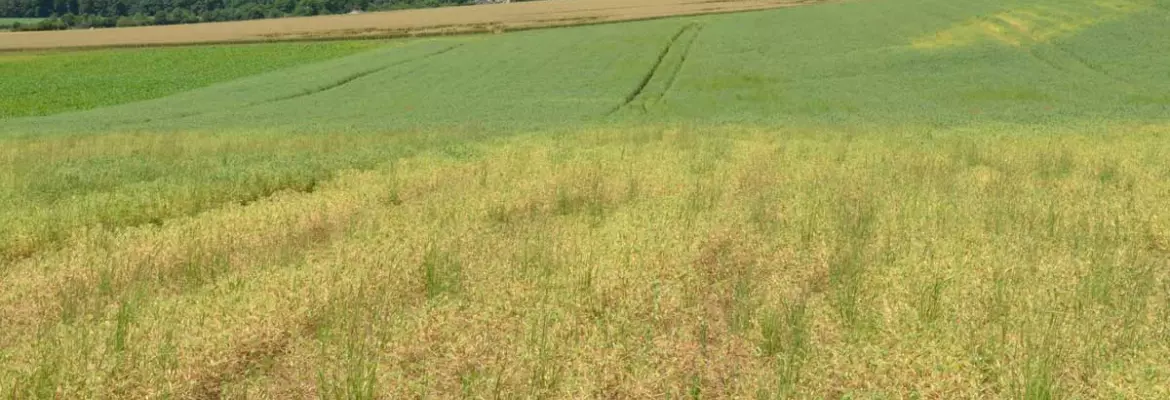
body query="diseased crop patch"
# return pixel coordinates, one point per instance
(49, 83)
(724, 261)
(1035, 24)
(778, 209)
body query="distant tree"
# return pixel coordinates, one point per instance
(285, 6)
(51, 24)
(306, 8)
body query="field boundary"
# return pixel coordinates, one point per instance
(449, 21)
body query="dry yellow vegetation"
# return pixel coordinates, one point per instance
(442, 21)
(1033, 23)
(631, 264)
(755, 205)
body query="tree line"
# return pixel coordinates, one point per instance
(67, 14)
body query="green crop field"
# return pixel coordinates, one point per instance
(867, 199)
(48, 83)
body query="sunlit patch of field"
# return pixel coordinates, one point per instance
(1033, 23)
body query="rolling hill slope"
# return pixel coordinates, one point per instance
(890, 62)
(872, 199)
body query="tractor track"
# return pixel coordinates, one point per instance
(660, 65)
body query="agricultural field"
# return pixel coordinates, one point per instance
(44, 83)
(494, 18)
(868, 199)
